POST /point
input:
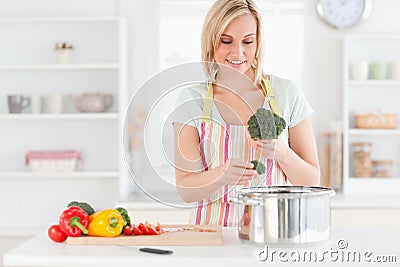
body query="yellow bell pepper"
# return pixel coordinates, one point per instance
(106, 223)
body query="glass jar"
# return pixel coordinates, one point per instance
(325, 159)
(331, 159)
(382, 168)
(336, 167)
(361, 159)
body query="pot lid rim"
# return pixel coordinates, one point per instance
(284, 191)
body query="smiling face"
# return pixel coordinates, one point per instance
(237, 46)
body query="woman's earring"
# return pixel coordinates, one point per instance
(253, 65)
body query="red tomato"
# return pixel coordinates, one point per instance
(158, 227)
(143, 228)
(128, 230)
(56, 234)
(137, 231)
(152, 230)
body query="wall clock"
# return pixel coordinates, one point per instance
(343, 13)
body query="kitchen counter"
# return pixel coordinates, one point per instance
(365, 201)
(370, 243)
(363, 209)
(340, 201)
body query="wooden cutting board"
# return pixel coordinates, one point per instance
(197, 235)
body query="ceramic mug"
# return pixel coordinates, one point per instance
(36, 103)
(359, 70)
(53, 103)
(377, 70)
(64, 56)
(16, 103)
(395, 70)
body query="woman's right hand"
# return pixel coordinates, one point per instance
(237, 172)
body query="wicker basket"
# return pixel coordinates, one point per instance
(376, 121)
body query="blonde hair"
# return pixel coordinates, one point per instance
(221, 13)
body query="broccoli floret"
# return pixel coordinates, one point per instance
(258, 166)
(125, 216)
(83, 205)
(265, 124)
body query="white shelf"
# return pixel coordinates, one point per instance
(372, 37)
(374, 83)
(62, 116)
(58, 67)
(353, 131)
(375, 179)
(364, 95)
(58, 19)
(29, 67)
(356, 185)
(77, 174)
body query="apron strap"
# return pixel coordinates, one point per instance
(269, 92)
(205, 117)
(267, 88)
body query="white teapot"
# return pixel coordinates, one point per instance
(93, 102)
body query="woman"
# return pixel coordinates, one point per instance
(213, 148)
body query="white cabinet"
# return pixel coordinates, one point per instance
(371, 96)
(366, 217)
(29, 66)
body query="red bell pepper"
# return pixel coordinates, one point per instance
(74, 221)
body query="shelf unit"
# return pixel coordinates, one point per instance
(60, 175)
(55, 67)
(383, 132)
(28, 66)
(370, 96)
(64, 116)
(373, 83)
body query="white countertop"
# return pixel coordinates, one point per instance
(40, 251)
(365, 201)
(340, 201)
(141, 202)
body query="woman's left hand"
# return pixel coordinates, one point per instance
(271, 149)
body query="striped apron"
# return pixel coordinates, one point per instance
(218, 143)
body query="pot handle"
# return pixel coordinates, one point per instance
(333, 193)
(247, 201)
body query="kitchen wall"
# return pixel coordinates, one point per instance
(323, 57)
(322, 70)
(322, 51)
(57, 8)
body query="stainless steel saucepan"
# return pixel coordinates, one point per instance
(284, 215)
